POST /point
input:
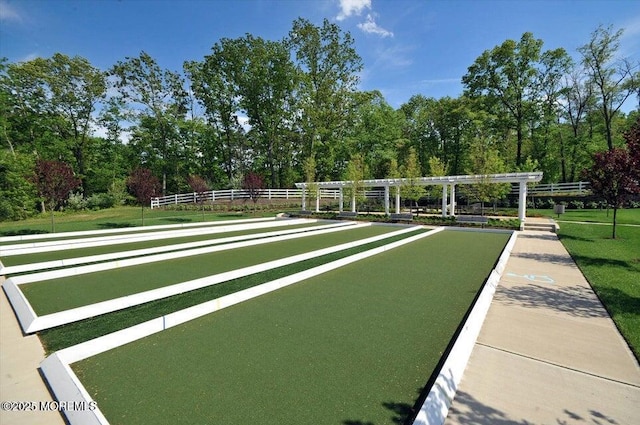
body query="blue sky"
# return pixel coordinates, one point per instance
(408, 46)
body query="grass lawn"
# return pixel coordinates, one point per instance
(625, 216)
(352, 346)
(123, 247)
(113, 218)
(74, 291)
(612, 267)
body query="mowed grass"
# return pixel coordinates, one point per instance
(612, 267)
(624, 216)
(55, 295)
(123, 247)
(352, 346)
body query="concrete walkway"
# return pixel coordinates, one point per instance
(548, 352)
(20, 380)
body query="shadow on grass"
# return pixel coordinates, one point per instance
(177, 220)
(110, 225)
(23, 232)
(619, 302)
(585, 260)
(576, 301)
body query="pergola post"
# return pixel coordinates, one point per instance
(340, 200)
(353, 201)
(318, 200)
(397, 199)
(444, 199)
(452, 209)
(304, 198)
(522, 201)
(386, 200)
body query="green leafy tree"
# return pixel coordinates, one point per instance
(329, 68)
(412, 191)
(157, 103)
(486, 160)
(355, 173)
(18, 192)
(614, 80)
(215, 85)
(507, 75)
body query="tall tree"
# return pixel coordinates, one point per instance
(329, 67)
(216, 88)
(614, 79)
(266, 80)
(55, 181)
(157, 102)
(507, 75)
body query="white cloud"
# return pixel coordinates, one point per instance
(371, 27)
(8, 13)
(352, 7)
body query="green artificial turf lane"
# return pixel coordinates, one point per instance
(123, 247)
(353, 346)
(65, 293)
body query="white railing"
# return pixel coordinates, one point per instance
(576, 188)
(234, 194)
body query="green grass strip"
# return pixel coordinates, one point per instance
(612, 267)
(74, 333)
(351, 346)
(65, 293)
(15, 260)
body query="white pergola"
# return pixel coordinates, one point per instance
(446, 182)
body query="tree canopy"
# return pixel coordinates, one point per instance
(292, 108)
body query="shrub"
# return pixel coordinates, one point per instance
(576, 205)
(76, 202)
(99, 201)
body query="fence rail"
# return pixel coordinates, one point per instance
(577, 188)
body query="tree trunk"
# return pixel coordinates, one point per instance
(615, 213)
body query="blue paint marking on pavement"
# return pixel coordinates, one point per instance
(533, 277)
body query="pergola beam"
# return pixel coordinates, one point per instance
(445, 181)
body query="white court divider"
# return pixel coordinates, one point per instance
(67, 262)
(65, 385)
(59, 235)
(435, 408)
(69, 244)
(128, 262)
(31, 322)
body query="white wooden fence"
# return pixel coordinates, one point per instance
(576, 188)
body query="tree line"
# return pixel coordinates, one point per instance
(290, 110)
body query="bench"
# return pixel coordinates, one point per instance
(347, 214)
(305, 212)
(401, 217)
(472, 219)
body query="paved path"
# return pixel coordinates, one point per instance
(20, 380)
(548, 352)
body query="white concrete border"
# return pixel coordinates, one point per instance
(436, 407)
(70, 244)
(4, 239)
(21, 268)
(31, 322)
(66, 386)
